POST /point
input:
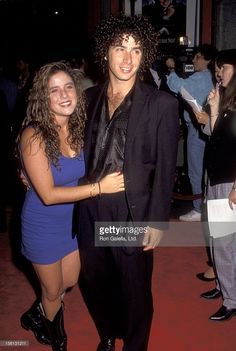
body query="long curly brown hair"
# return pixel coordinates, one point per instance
(40, 117)
(112, 30)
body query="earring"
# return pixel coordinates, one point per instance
(105, 58)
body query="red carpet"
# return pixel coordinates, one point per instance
(180, 318)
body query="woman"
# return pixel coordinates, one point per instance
(203, 118)
(221, 170)
(50, 146)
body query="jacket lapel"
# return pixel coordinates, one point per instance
(139, 98)
(94, 97)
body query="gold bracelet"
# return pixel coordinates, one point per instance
(92, 189)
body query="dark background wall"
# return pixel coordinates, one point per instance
(54, 29)
(225, 24)
(42, 27)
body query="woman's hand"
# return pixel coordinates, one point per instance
(201, 117)
(112, 183)
(214, 100)
(232, 198)
(24, 180)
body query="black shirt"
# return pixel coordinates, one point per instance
(109, 139)
(221, 150)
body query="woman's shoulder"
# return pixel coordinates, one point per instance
(27, 134)
(29, 139)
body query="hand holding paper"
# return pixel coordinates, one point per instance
(190, 100)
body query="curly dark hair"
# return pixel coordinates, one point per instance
(40, 117)
(112, 30)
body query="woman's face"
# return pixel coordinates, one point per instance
(165, 3)
(226, 73)
(217, 73)
(62, 94)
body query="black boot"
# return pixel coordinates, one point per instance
(107, 345)
(32, 320)
(56, 331)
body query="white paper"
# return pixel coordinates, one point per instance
(222, 220)
(190, 100)
(155, 76)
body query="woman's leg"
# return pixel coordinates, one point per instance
(70, 269)
(51, 281)
(55, 278)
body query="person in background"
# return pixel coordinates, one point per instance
(170, 63)
(221, 171)
(203, 118)
(199, 84)
(81, 65)
(51, 152)
(132, 127)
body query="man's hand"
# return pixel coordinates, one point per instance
(152, 238)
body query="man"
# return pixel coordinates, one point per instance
(131, 127)
(199, 84)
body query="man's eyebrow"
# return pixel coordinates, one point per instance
(124, 46)
(137, 47)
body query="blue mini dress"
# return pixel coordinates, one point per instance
(47, 233)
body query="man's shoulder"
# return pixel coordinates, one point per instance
(202, 74)
(94, 90)
(156, 93)
(158, 100)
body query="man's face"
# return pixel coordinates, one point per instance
(199, 62)
(124, 59)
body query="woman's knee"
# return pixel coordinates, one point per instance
(71, 281)
(71, 270)
(52, 294)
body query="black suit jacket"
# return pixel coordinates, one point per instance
(150, 150)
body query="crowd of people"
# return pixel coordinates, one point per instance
(105, 152)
